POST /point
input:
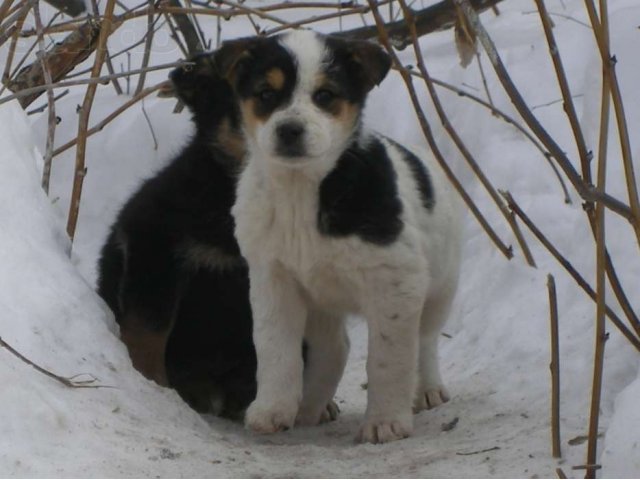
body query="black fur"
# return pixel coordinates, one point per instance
(144, 272)
(420, 175)
(252, 59)
(356, 65)
(360, 196)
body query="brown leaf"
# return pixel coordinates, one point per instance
(466, 42)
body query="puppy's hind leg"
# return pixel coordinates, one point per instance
(149, 298)
(430, 391)
(393, 317)
(327, 352)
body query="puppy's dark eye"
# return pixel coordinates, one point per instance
(323, 97)
(266, 95)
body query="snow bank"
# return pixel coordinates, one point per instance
(621, 456)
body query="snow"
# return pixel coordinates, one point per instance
(496, 355)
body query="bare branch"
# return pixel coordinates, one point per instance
(66, 381)
(70, 7)
(555, 368)
(83, 120)
(440, 16)
(507, 251)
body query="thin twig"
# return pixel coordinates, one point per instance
(67, 382)
(12, 50)
(600, 31)
(147, 48)
(510, 120)
(553, 102)
(569, 268)
(329, 16)
(436, 17)
(562, 15)
(52, 119)
(104, 122)
(598, 362)
(586, 156)
(569, 107)
(555, 368)
(587, 192)
(4, 8)
(83, 121)
(457, 140)
(507, 251)
(108, 62)
(42, 108)
(125, 50)
(189, 33)
(153, 133)
(175, 37)
(87, 81)
(589, 466)
(16, 16)
(485, 450)
(484, 80)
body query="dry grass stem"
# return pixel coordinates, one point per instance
(598, 362)
(569, 107)
(52, 120)
(83, 121)
(112, 116)
(507, 251)
(4, 9)
(66, 381)
(555, 368)
(88, 81)
(608, 64)
(569, 268)
(147, 48)
(457, 140)
(508, 119)
(587, 192)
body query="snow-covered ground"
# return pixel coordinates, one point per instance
(495, 356)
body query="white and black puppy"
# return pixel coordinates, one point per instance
(333, 221)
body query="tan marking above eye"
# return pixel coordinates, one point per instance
(275, 78)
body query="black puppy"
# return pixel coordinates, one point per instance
(171, 269)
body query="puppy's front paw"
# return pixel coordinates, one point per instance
(384, 431)
(270, 418)
(430, 397)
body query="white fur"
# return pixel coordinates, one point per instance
(304, 284)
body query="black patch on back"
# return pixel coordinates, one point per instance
(420, 175)
(360, 196)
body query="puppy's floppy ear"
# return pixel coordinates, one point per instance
(229, 57)
(374, 61)
(196, 74)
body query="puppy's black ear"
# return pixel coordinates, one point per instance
(197, 74)
(374, 61)
(230, 56)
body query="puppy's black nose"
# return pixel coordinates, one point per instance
(290, 133)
